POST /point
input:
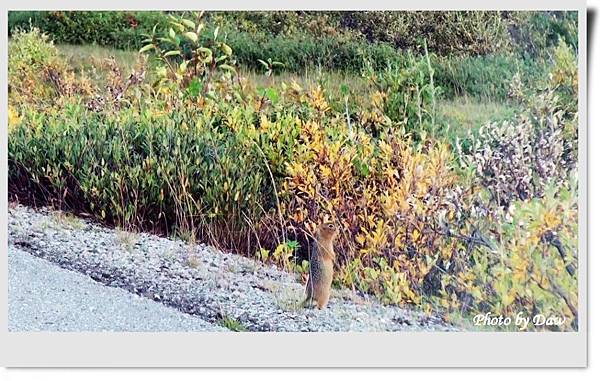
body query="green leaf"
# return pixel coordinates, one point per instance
(272, 94)
(226, 49)
(161, 71)
(344, 89)
(361, 167)
(216, 32)
(266, 65)
(227, 67)
(207, 52)
(194, 87)
(191, 36)
(147, 47)
(189, 23)
(172, 53)
(293, 244)
(172, 33)
(179, 26)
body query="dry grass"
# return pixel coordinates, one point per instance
(66, 219)
(126, 239)
(330, 80)
(82, 56)
(193, 261)
(287, 298)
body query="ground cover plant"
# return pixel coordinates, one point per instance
(457, 205)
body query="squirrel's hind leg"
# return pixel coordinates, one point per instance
(308, 294)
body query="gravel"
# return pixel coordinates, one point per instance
(45, 297)
(197, 279)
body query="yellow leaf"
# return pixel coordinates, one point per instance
(360, 239)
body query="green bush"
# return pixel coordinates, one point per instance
(563, 76)
(29, 53)
(123, 30)
(409, 94)
(479, 32)
(447, 32)
(25, 19)
(537, 33)
(302, 53)
(485, 77)
(177, 172)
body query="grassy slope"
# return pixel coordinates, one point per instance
(459, 115)
(463, 114)
(81, 56)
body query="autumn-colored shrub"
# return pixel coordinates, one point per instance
(391, 199)
(528, 267)
(37, 73)
(523, 204)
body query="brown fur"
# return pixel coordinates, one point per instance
(322, 257)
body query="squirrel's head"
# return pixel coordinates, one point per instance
(327, 231)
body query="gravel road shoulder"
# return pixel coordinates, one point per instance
(45, 297)
(220, 288)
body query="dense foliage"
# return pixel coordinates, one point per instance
(479, 51)
(486, 224)
(119, 29)
(458, 32)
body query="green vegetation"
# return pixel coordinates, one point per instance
(459, 205)
(232, 324)
(462, 115)
(480, 33)
(123, 30)
(479, 58)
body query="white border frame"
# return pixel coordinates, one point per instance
(439, 349)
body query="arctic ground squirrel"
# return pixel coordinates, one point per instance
(322, 257)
